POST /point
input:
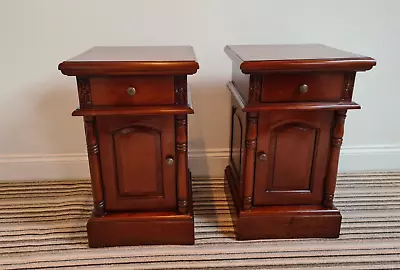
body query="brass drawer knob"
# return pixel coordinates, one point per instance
(262, 156)
(169, 161)
(131, 91)
(303, 88)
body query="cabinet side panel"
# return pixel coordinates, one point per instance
(238, 137)
(241, 81)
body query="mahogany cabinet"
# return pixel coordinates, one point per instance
(289, 104)
(135, 101)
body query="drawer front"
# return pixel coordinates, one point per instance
(132, 90)
(302, 87)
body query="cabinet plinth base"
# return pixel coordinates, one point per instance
(286, 221)
(140, 229)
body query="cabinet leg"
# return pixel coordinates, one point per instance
(94, 166)
(248, 172)
(182, 162)
(337, 135)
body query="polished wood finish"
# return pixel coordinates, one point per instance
(249, 159)
(283, 221)
(137, 142)
(94, 166)
(286, 87)
(304, 106)
(141, 229)
(288, 109)
(182, 158)
(183, 105)
(296, 157)
(149, 91)
(141, 181)
(139, 60)
(123, 110)
(302, 57)
(278, 106)
(336, 143)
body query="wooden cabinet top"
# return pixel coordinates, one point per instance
(267, 58)
(133, 60)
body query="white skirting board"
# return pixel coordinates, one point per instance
(205, 163)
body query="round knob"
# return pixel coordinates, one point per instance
(131, 91)
(303, 88)
(169, 161)
(262, 156)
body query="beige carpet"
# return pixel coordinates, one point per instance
(42, 226)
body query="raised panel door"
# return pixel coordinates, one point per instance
(134, 152)
(292, 155)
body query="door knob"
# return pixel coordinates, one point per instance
(131, 91)
(169, 161)
(303, 88)
(262, 156)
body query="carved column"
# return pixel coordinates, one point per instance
(336, 143)
(249, 160)
(95, 167)
(255, 89)
(182, 162)
(85, 100)
(84, 92)
(180, 86)
(349, 78)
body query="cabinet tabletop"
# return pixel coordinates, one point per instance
(132, 60)
(259, 58)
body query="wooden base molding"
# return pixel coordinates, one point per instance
(270, 222)
(141, 229)
(282, 221)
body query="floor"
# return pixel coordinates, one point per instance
(42, 226)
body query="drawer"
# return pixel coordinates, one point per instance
(302, 87)
(132, 90)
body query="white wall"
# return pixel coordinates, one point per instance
(39, 139)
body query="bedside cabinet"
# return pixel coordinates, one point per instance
(289, 104)
(134, 102)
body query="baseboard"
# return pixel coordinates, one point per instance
(208, 163)
(203, 163)
(44, 167)
(352, 159)
(369, 158)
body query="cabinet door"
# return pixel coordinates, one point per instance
(133, 153)
(292, 155)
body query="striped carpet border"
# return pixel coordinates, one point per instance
(42, 226)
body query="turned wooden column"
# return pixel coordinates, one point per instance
(94, 166)
(182, 160)
(336, 143)
(251, 145)
(85, 99)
